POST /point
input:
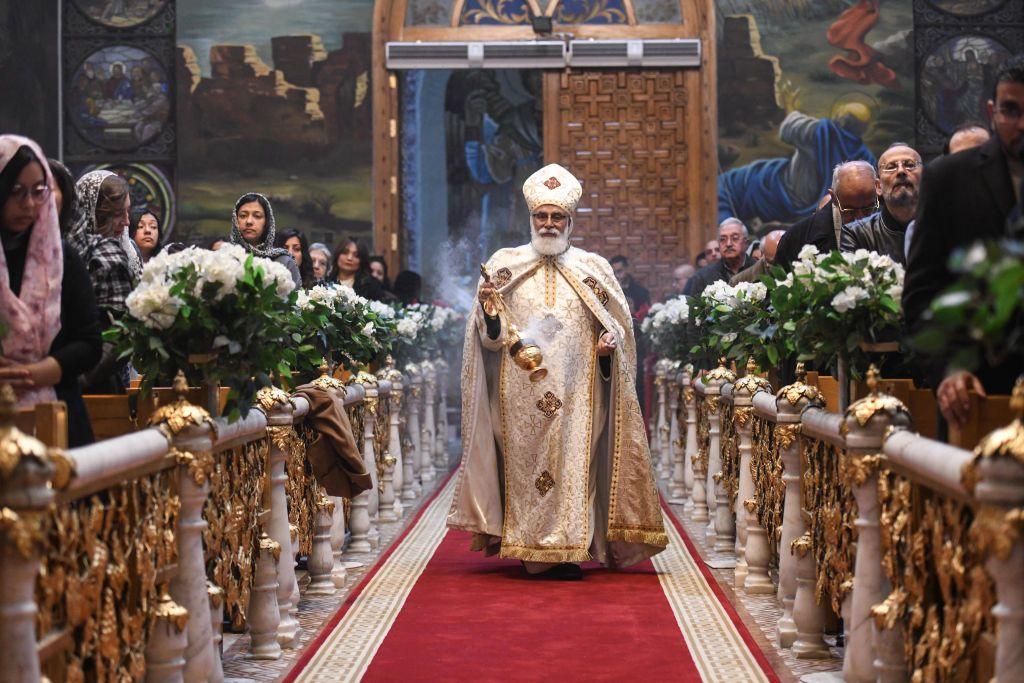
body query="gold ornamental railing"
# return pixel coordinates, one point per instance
(906, 548)
(133, 551)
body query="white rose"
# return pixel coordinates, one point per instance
(153, 305)
(808, 251)
(367, 329)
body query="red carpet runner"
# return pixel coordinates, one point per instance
(434, 611)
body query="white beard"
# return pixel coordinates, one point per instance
(550, 245)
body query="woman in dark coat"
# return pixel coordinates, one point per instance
(46, 297)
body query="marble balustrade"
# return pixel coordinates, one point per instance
(914, 543)
(176, 527)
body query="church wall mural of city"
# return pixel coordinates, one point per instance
(214, 99)
(274, 96)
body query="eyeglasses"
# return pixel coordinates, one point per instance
(1010, 112)
(855, 211)
(37, 193)
(908, 165)
(542, 217)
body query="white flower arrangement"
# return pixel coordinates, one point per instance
(831, 303)
(665, 325)
(196, 303)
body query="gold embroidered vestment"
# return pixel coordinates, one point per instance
(556, 470)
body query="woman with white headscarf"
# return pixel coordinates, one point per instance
(252, 226)
(114, 263)
(46, 300)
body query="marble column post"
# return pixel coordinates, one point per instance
(428, 423)
(677, 432)
(441, 461)
(700, 512)
(808, 615)
(791, 401)
(722, 526)
(1001, 494)
(25, 494)
(752, 550)
(282, 436)
(189, 586)
(263, 615)
(866, 422)
(321, 555)
(165, 650)
(658, 435)
(688, 404)
(412, 422)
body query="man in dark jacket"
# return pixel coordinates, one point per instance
(967, 197)
(852, 196)
(732, 243)
(898, 185)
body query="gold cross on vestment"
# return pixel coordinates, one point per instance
(549, 405)
(545, 482)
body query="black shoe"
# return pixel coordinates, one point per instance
(566, 571)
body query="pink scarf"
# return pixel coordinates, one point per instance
(33, 318)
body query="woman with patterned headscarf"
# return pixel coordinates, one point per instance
(101, 237)
(46, 301)
(252, 226)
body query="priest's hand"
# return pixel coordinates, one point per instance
(606, 344)
(486, 292)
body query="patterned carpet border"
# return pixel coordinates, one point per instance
(722, 647)
(344, 648)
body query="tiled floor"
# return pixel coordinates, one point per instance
(314, 611)
(760, 613)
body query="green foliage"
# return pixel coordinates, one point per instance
(981, 314)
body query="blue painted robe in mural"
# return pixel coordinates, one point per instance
(762, 188)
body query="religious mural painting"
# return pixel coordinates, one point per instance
(274, 97)
(494, 128)
(118, 96)
(120, 13)
(793, 103)
(959, 47)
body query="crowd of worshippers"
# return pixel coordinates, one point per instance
(915, 213)
(74, 250)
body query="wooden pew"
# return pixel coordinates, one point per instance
(920, 402)
(48, 422)
(985, 415)
(114, 415)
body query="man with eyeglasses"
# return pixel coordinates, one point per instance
(898, 184)
(967, 197)
(537, 439)
(733, 239)
(851, 197)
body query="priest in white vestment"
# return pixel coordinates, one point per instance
(556, 470)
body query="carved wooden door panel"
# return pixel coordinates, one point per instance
(634, 139)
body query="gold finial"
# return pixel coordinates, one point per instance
(751, 365)
(721, 361)
(1017, 398)
(8, 400)
(872, 379)
(324, 368)
(180, 385)
(801, 372)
